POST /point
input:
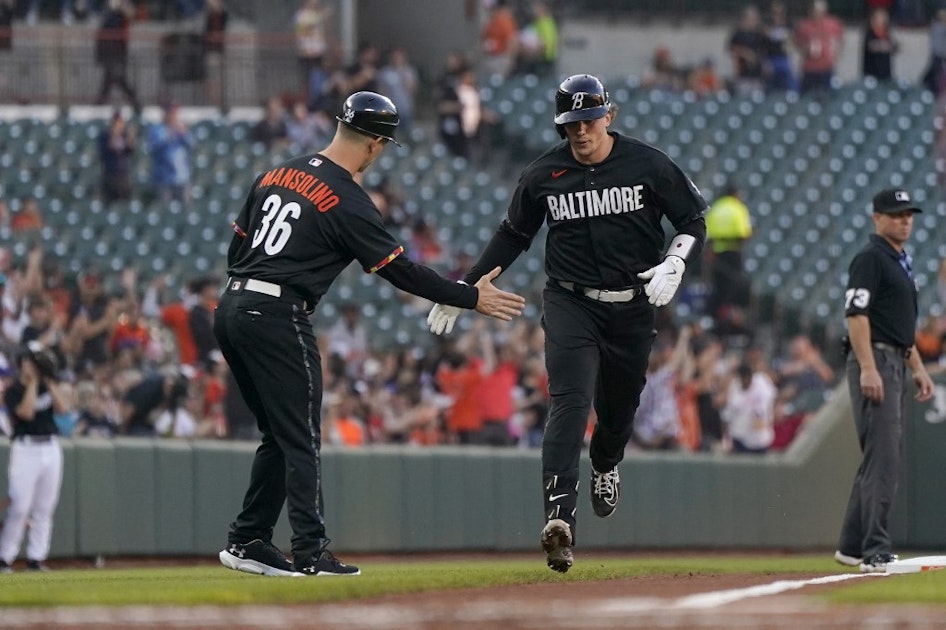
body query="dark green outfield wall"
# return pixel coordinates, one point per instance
(134, 496)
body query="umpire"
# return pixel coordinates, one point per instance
(302, 223)
(880, 306)
(604, 196)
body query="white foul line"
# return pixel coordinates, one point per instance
(720, 598)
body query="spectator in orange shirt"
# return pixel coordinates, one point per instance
(459, 378)
(703, 79)
(495, 389)
(174, 315)
(130, 338)
(28, 218)
(499, 37)
(819, 39)
(342, 426)
(931, 340)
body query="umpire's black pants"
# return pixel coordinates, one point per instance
(595, 353)
(270, 347)
(879, 429)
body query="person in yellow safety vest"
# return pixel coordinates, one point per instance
(728, 227)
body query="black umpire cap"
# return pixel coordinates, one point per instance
(371, 114)
(892, 201)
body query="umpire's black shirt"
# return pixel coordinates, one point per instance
(882, 289)
(604, 219)
(305, 220)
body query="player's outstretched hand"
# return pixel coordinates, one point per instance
(496, 302)
(664, 280)
(442, 318)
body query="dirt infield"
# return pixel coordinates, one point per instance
(691, 601)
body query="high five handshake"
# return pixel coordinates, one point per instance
(491, 301)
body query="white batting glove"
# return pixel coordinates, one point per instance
(442, 318)
(664, 280)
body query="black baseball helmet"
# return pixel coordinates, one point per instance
(370, 113)
(580, 97)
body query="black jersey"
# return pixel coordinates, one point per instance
(881, 287)
(307, 219)
(43, 421)
(605, 219)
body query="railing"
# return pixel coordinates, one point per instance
(719, 10)
(56, 64)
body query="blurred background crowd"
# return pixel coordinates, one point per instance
(136, 345)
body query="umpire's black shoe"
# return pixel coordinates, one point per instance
(257, 557)
(326, 564)
(556, 542)
(605, 491)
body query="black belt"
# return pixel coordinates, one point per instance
(239, 285)
(33, 439)
(902, 352)
(602, 295)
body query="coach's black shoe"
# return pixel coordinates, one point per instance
(556, 540)
(5, 567)
(878, 562)
(257, 557)
(326, 564)
(605, 491)
(36, 565)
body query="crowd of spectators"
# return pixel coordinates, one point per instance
(141, 360)
(141, 357)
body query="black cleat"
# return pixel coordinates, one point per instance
(605, 491)
(556, 542)
(326, 564)
(36, 565)
(257, 557)
(878, 562)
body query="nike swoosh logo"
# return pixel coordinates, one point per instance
(556, 497)
(557, 174)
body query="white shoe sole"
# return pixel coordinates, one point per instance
(231, 561)
(846, 560)
(875, 568)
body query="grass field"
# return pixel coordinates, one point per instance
(209, 585)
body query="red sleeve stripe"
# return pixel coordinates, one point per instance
(240, 231)
(397, 252)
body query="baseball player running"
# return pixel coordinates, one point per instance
(603, 196)
(303, 222)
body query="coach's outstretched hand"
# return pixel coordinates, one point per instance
(492, 301)
(496, 302)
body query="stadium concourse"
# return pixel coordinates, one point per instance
(807, 166)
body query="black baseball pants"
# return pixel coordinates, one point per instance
(596, 353)
(270, 347)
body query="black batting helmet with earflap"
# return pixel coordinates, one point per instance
(580, 97)
(370, 113)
